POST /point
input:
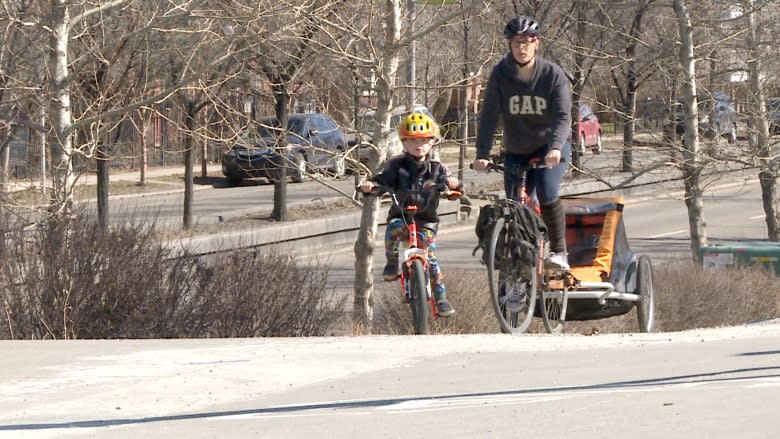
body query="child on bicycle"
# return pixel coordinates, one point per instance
(415, 174)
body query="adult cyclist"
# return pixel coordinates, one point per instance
(531, 96)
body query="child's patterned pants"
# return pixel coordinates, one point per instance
(426, 238)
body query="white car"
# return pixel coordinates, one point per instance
(719, 118)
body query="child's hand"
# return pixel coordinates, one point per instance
(367, 186)
(452, 183)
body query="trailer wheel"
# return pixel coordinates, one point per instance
(645, 306)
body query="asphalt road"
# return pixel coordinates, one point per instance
(714, 383)
(214, 199)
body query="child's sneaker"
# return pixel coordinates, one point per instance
(558, 261)
(444, 307)
(390, 273)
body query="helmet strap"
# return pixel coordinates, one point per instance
(522, 64)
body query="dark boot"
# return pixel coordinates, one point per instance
(390, 273)
(555, 220)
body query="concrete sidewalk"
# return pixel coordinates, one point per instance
(15, 185)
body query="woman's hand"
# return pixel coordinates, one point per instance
(553, 158)
(480, 164)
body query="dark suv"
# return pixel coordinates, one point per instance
(314, 142)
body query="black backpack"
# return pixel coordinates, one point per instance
(486, 220)
(526, 227)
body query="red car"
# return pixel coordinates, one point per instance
(590, 131)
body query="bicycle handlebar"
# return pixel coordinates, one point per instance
(450, 194)
(533, 164)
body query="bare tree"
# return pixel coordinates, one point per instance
(389, 40)
(632, 70)
(767, 162)
(691, 165)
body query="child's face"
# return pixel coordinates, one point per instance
(419, 148)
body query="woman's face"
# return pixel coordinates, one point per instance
(523, 48)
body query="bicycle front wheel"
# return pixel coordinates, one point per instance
(553, 309)
(419, 296)
(512, 286)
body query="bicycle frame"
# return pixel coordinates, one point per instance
(415, 280)
(413, 252)
(507, 280)
(525, 199)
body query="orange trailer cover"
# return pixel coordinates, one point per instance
(593, 225)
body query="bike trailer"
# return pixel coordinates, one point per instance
(599, 255)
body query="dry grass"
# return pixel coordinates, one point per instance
(686, 298)
(465, 290)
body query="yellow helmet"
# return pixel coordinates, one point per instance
(418, 126)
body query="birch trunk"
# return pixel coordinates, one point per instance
(768, 170)
(690, 165)
(364, 246)
(61, 142)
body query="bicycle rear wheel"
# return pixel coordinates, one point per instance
(512, 287)
(419, 296)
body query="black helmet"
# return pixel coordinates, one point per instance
(522, 25)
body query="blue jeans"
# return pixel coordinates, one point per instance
(544, 184)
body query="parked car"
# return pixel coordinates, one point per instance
(773, 111)
(590, 130)
(363, 134)
(717, 118)
(314, 142)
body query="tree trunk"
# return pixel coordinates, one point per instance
(757, 106)
(691, 166)
(5, 169)
(576, 91)
(144, 135)
(629, 122)
(189, 145)
(61, 141)
(103, 183)
(362, 313)
(279, 212)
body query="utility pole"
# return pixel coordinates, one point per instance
(410, 74)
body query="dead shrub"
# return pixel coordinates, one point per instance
(466, 290)
(269, 294)
(72, 280)
(686, 297)
(689, 297)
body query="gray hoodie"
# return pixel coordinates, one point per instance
(535, 115)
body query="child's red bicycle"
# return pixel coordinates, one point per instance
(415, 278)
